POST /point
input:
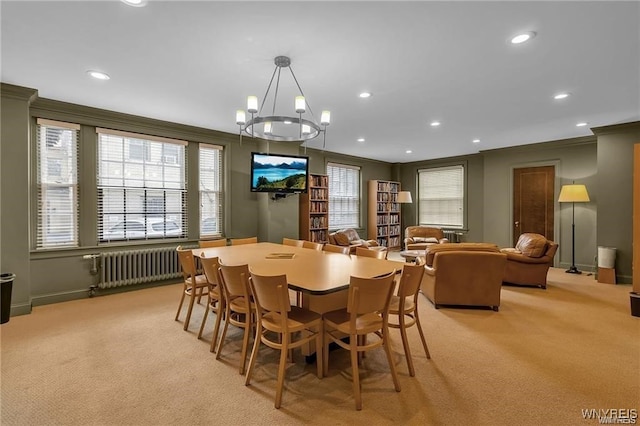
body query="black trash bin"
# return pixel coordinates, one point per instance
(6, 284)
(635, 303)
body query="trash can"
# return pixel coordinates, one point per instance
(635, 303)
(606, 257)
(6, 284)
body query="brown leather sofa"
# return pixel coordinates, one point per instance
(349, 237)
(530, 260)
(464, 274)
(420, 237)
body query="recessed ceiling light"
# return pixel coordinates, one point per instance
(581, 124)
(435, 123)
(98, 75)
(287, 122)
(563, 95)
(408, 151)
(365, 95)
(476, 141)
(360, 139)
(135, 3)
(521, 38)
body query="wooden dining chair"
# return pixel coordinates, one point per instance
(336, 249)
(365, 252)
(239, 307)
(404, 307)
(215, 298)
(312, 245)
(212, 243)
(278, 323)
(194, 285)
(367, 312)
(291, 242)
(239, 241)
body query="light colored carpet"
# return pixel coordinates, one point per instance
(122, 360)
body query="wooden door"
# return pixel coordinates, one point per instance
(533, 201)
(636, 218)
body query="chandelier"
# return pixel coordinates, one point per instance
(275, 126)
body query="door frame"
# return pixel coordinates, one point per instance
(556, 190)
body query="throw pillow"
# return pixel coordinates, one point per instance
(342, 239)
(532, 245)
(425, 240)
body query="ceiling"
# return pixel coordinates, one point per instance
(196, 62)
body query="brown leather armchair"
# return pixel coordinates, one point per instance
(467, 276)
(530, 260)
(420, 237)
(349, 237)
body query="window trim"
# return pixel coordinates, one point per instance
(464, 168)
(358, 213)
(221, 190)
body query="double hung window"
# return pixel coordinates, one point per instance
(441, 196)
(344, 196)
(211, 194)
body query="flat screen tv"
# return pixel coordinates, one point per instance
(280, 173)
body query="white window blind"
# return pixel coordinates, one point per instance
(211, 190)
(141, 187)
(344, 196)
(441, 194)
(57, 184)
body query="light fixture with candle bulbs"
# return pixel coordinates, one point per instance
(277, 126)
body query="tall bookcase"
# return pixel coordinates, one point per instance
(314, 210)
(384, 213)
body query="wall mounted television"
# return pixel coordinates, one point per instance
(279, 173)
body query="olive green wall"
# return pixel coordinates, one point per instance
(51, 276)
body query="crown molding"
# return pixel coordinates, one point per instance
(11, 91)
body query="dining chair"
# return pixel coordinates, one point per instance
(291, 242)
(365, 252)
(336, 249)
(215, 297)
(239, 307)
(278, 323)
(194, 284)
(239, 241)
(367, 312)
(404, 306)
(312, 245)
(212, 243)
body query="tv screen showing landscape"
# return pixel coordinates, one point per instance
(279, 173)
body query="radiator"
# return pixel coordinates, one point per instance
(130, 267)
(453, 236)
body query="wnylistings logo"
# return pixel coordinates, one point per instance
(627, 416)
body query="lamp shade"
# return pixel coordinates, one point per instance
(573, 194)
(404, 197)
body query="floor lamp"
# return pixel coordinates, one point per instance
(573, 194)
(404, 197)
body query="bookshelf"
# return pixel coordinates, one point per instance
(314, 210)
(384, 213)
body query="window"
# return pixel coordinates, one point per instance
(140, 195)
(441, 196)
(57, 184)
(211, 204)
(344, 196)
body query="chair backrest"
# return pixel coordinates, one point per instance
(423, 231)
(292, 242)
(187, 262)
(368, 295)
(212, 243)
(376, 254)
(210, 267)
(271, 293)
(336, 249)
(235, 280)
(411, 279)
(311, 245)
(239, 241)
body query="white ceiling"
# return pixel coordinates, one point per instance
(196, 62)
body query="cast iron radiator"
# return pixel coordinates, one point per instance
(120, 268)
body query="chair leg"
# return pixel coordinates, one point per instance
(254, 355)
(227, 314)
(281, 369)
(424, 341)
(353, 343)
(180, 304)
(392, 367)
(216, 327)
(204, 318)
(325, 350)
(319, 352)
(245, 342)
(405, 344)
(191, 300)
